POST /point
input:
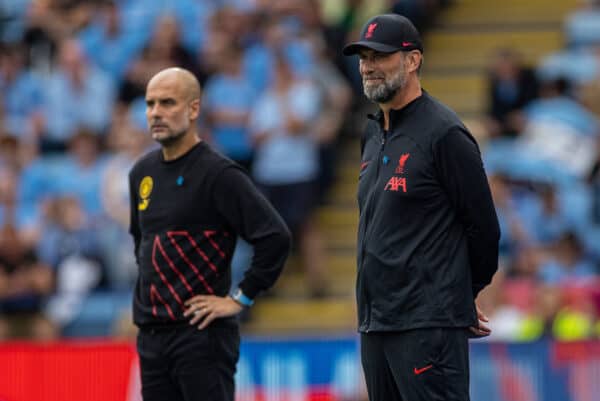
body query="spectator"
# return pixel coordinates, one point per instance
(582, 27)
(511, 87)
(21, 94)
(163, 50)
(12, 15)
(70, 244)
(25, 283)
(79, 172)
(77, 95)
(111, 42)
(513, 232)
(228, 100)
(541, 214)
(47, 24)
(560, 130)
(129, 140)
(33, 192)
(286, 164)
(276, 37)
(192, 18)
(337, 98)
(567, 263)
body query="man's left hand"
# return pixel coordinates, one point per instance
(206, 308)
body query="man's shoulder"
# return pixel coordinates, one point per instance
(441, 113)
(214, 162)
(146, 162)
(440, 119)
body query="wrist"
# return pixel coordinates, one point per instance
(239, 297)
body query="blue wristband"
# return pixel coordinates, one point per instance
(241, 298)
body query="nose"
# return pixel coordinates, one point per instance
(365, 67)
(153, 112)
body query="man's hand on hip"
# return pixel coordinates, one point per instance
(206, 308)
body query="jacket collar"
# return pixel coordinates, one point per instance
(398, 114)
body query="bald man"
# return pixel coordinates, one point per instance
(188, 206)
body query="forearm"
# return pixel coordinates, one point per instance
(256, 221)
(270, 254)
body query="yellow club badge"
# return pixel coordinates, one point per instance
(145, 189)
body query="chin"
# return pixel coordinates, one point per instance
(167, 140)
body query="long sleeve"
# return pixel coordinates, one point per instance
(134, 227)
(256, 221)
(463, 177)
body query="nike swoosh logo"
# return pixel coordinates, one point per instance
(405, 44)
(419, 371)
(364, 164)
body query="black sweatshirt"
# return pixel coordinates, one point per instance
(185, 217)
(428, 231)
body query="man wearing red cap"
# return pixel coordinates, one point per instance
(428, 231)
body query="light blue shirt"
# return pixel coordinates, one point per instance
(70, 178)
(12, 29)
(553, 272)
(561, 65)
(283, 158)
(233, 93)
(113, 54)
(583, 27)
(21, 98)
(259, 63)
(69, 108)
(35, 187)
(565, 111)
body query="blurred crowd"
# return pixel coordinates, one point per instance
(276, 98)
(543, 159)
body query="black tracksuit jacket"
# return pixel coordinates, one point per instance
(428, 231)
(186, 215)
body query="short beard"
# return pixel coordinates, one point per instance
(386, 91)
(171, 139)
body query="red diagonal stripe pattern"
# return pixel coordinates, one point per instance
(172, 266)
(196, 247)
(209, 234)
(160, 273)
(154, 294)
(171, 235)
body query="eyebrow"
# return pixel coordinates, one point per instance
(161, 100)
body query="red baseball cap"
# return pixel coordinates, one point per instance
(387, 33)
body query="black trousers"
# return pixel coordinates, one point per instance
(186, 364)
(416, 365)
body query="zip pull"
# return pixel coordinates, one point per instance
(383, 136)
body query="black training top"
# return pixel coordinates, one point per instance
(185, 217)
(428, 231)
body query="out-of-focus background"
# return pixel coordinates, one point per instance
(523, 74)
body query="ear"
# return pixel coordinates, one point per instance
(414, 58)
(195, 109)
